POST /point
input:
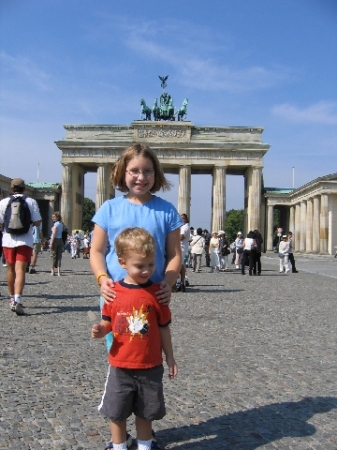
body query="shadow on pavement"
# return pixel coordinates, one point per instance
(250, 429)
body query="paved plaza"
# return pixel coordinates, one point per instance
(257, 360)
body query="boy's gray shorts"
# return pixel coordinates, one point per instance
(138, 391)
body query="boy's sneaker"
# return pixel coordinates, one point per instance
(129, 442)
(32, 270)
(19, 309)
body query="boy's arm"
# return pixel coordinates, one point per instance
(99, 330)
(165, 334)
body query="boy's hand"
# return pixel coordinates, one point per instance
(98, 331)
(173, 368)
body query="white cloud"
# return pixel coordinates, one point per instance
(323, 112)
(27, 69)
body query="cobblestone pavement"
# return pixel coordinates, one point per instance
(256, 355)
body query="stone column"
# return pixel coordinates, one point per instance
(308, 226)
(324, 224)
(254, 199)
(296, 245)
(101, 185)
(270, 227)
(184, 190)
(292, 219)
(110, 190)
(316, 225)
(219, 198)
(303, 223)
(67, 199)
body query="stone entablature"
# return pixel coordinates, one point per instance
(175, 144)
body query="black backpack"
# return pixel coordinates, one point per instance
(64, 234)
(18, 218)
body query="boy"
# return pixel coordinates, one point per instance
(140, 326)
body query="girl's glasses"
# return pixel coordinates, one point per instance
(135, 173)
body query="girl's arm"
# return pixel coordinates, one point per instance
(98, 264)
(173, 266)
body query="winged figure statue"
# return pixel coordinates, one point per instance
(163, 81)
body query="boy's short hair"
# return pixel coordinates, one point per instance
(136, 240)
(117, 176)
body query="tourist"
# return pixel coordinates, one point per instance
(257, 252)
(139, 175)
(207, 238)
(283, 252)
(18, 245)
(73, 246)
(247, 255)
(213, 250)
(224, 250)
(291, 252)
(238, 250)
(86, 247)
(56, 243)
(37, 236)
(135, 357)
(184, 243)
(197, 247)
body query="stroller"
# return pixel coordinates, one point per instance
(335, 252)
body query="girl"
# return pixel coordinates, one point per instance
(138, 174)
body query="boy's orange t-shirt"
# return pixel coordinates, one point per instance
(136, 317)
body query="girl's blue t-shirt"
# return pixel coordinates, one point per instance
(159, 217)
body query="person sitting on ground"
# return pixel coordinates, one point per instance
(140, 326)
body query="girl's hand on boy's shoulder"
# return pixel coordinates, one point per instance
(107, 291)
(164, 293)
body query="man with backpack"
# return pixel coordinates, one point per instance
(18, 214)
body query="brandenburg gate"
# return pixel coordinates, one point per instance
(182, 149)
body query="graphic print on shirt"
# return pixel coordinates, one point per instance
(134, 323)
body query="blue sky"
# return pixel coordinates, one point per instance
(270, 64)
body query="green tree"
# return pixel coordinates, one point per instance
(234, 223)
(88, 214)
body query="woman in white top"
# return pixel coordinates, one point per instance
(238, 244)
(197, 248)
(283, 252)
(213, 250)
(247, 255)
